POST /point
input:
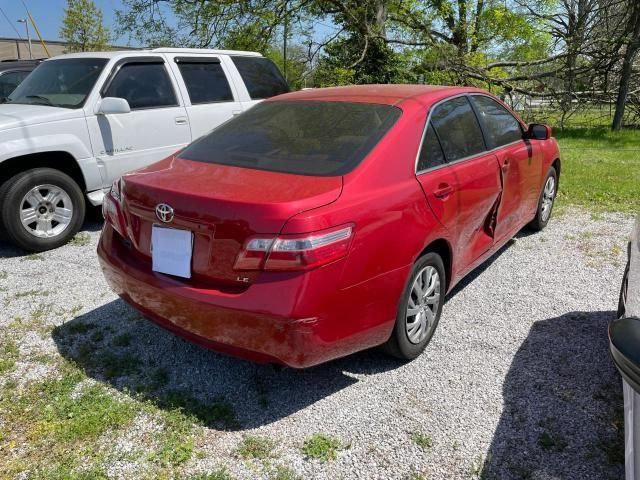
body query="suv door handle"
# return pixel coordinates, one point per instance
(181, 120)
(235, 113)
(443, 190)
(505, 165)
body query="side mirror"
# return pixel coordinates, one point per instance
(624, 343)
(113, 105)
(537, 131)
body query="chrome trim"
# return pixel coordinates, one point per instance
(463, 159)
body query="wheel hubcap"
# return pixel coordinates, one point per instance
(548, 195)
(422, 307)
(46, 211)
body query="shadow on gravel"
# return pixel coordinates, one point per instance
(115, 345)
(563, 408)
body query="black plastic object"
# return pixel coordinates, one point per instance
(624, 342)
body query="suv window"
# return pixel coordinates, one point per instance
(143, 85)
(458, 129)
(261, 76)
(9, 81)
(317, 138)
(431, 154)
(205, 80)
(500, 126)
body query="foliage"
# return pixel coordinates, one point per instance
(83, 27)
(321, 447)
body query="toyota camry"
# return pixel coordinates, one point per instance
(327, 221)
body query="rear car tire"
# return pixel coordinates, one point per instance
(41, 209)
(420, 308)
(546, 201)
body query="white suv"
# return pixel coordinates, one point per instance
(80, 121)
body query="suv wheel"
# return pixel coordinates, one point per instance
(41, 209)
(420, 308)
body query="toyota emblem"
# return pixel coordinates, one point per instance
(164, 212)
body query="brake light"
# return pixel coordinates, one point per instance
(295, 252)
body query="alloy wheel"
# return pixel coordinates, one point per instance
(548, 195)
(46, 211)
(423, 303)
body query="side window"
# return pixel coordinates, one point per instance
(431, 154)
(205, 81)
(458, 129)
(500, 126)
(143, 85)
(261, 76)
(9, 81)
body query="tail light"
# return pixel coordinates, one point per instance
(295, 252)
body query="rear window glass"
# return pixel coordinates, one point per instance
(301, 137)
(261, 76)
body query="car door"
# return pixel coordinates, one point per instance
(156, 126)
(210, 97)
(519, 166)
(475, 179)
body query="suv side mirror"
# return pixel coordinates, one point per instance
(538, 131)
(624, 340)
(113, 105)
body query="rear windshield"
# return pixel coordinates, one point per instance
(301, 137)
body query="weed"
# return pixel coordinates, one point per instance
(421, 440)
(255, 447)
(321, 447)
(80, 239)
(552, 442)
(33, 256)
(284, 473)
(123, 340)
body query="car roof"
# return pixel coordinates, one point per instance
(384, 94)
(18, 65)
(119, 53)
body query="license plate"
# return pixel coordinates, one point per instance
(171, 251)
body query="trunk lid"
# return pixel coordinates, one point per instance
(222, 205)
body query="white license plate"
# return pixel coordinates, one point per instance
(171, 251)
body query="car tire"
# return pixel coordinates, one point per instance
(546, 201)
(413, 332)
(52, 199)
(622, 302)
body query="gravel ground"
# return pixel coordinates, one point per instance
(516, 383)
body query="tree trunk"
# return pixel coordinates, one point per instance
(633, 45)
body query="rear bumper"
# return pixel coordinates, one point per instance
(268, 322)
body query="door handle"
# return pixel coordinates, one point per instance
(235, 113)
(181, 120)
(443, 190)
(505, 165)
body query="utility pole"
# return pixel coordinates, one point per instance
(26, 25)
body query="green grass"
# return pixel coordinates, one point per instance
(422, 440)
(8, 355)
(600, 169)
(255, 447)
(321, 447)
(80, 239)
(220, 474)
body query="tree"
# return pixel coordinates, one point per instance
(632, 47)
(82, 27)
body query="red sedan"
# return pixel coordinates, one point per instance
(327, 221)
